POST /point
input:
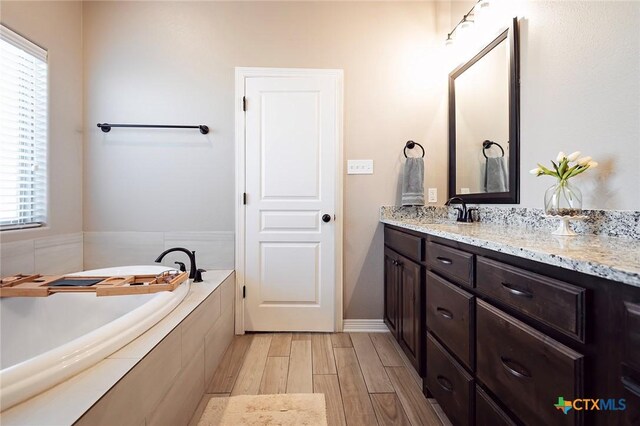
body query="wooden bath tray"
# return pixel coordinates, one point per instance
(36, 285)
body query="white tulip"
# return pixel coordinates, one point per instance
(574, 156)
(584, 161)
(561, 156)
(535, 171)
(592, 164)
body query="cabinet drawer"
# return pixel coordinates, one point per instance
(452, 263)
(450, 316)
(555, 303)
(406, 244)
(525, 369)
(630, 377)
(488, 413)
(631, 335)
(451, 386)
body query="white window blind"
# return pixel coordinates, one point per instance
(23, 132)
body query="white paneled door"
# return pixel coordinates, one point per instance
(291, 159)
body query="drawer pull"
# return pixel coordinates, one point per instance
(517, 370)
(444, 313)
(444, 260)
(517, 292)
(631, 385)
(445, 383)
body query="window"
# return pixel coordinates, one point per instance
(23, 132)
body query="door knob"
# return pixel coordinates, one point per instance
(326, 218)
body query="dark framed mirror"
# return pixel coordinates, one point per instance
(484, 124)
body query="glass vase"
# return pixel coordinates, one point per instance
(563, 199)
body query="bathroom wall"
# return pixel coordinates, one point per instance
(164, 62)
(56, 26)
(580, 91)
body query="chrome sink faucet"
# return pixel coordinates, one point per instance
(464, 214)
(195, 274)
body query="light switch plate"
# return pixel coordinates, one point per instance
(433, 195)
(360, 167)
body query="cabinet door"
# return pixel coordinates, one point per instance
(391, 292)
(410, 310)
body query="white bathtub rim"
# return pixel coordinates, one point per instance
(19, 383)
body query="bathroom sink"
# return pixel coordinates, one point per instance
(449, 222)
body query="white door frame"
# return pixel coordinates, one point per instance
(242, 73)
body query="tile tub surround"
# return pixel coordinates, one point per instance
(157, 378)
(59, 254)
(66, 253)
(616, 259)
(214, 250)
(611, 223)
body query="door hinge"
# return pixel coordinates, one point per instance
(244, 103)
(244, 291)
(244, 198)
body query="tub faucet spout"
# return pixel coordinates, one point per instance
(194, 273)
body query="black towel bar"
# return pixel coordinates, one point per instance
(411, 145)
(106, 127)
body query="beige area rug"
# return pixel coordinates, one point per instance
(266, 410)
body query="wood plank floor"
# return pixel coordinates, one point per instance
(365, 377)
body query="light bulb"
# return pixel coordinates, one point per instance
(449, 41)
(480, 10)
(466, 23)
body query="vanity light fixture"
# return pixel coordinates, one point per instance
(466, 23)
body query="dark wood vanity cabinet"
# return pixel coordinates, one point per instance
(403, 294)
(504, 337)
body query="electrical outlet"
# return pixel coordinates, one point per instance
(465, 191)
(360, 167)
(433, 195)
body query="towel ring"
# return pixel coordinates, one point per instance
(487, 144)
(411, 145)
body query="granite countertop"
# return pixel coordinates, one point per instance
(615, 259)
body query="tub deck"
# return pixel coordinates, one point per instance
(76, 399)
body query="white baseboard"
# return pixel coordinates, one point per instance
(364, 326)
